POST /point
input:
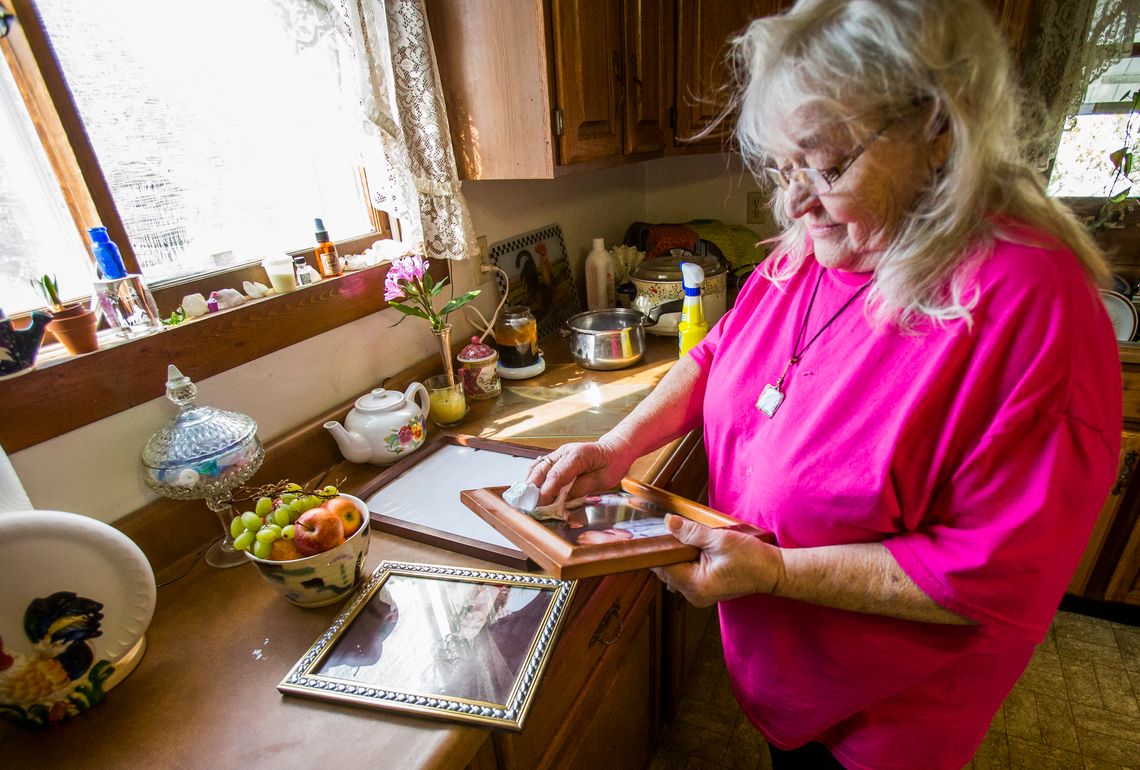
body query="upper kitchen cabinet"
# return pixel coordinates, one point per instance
(534, 86)
(704, 28)
(610, 62)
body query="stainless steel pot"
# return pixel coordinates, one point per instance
(607, 339)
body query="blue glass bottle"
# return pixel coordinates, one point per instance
(106, 254)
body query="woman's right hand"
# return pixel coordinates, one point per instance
(584, 467)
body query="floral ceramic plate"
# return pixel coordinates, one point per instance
(77, 597)
(1122, 313)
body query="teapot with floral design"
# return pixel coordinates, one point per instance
(383, 426)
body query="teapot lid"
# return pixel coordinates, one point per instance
(476, 351)
(380, 400)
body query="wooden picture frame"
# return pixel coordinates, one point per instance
(565, 556)
(441, 642)
(457, 541)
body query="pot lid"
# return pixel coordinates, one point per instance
(380, 400)
(476, 351)
(668, 268)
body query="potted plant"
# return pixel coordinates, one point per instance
(73, 324)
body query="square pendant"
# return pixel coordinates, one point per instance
(770, 400)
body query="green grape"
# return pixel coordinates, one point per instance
(251, 521)
(292, 487)
(281, 516)
(312, 501)
(275, 529)
(287, 498)
(262, 549)
(287, 532)
(236, 526)
(242, 541)
(297, 506)
(264, 506)
(267, 535)
(330, 491)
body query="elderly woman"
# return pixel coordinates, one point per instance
(919, 393)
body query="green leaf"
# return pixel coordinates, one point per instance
(1120, 196)
(408, 310)
(428, 283)
(1116, 157)
(438, 288)
(1126, 166)
(459, 302)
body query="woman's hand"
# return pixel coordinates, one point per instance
(586, 468)
(731, 564)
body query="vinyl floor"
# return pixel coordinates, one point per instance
(1076, 707)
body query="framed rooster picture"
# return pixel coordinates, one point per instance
(538, 276)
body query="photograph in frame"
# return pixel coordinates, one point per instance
(604, 533)
(436, 641)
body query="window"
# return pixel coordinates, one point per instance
(221, 136)
(1105, 122)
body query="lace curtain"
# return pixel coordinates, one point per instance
(410, 166)
(1076, 42)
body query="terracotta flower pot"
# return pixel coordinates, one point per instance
(75, 330)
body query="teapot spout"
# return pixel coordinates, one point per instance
(353, 446)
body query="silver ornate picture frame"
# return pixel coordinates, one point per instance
(436, 641)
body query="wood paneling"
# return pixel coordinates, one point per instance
(648, 57)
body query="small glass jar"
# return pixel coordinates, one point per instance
(516, 336)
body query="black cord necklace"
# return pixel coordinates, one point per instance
(773, 395)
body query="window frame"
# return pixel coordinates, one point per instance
(62, 395)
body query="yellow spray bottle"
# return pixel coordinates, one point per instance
(693, 326)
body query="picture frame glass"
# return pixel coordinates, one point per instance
(438, 641)
(610, 517)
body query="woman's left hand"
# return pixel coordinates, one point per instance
(731, 564)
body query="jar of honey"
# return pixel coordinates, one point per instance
(516, 336)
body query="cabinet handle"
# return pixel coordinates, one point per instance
(1126, 467)
(635, 79)
(608, 621)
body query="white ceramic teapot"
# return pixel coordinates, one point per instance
(383, 426)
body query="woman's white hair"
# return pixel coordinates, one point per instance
(861, 64)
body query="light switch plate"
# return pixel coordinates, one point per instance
(757, 209)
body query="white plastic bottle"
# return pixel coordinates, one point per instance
(599, 277)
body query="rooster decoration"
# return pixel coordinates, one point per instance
(57, 680)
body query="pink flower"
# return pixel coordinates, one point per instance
(409, 268)
(392, 288)
(405, 434)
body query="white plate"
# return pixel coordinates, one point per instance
(1123, 314)
(46, 552)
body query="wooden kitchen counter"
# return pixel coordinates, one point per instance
(204, 694)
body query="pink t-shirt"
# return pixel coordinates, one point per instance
(980, 458)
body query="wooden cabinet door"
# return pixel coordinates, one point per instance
(648, 47)
(589, 74)
(704, 28)
(1124, 581)
(1083, 583)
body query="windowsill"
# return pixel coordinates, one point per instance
(64, 393)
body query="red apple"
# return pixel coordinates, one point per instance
(317, 530)
(347, 511)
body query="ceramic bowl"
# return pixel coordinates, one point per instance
(325, 578)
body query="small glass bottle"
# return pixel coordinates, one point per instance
(328, 261)
(301, 268)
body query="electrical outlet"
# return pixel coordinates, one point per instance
(481, 262)
(757, 212)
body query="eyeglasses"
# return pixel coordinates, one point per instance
(817, 181)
